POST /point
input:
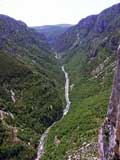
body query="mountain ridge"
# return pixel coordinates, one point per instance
(88, 29)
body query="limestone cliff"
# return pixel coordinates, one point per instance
(109, 136)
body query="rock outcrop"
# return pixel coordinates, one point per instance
(109, 136)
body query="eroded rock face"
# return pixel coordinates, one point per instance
(109, 136)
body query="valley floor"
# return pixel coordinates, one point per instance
(42, 141)
(78, 132)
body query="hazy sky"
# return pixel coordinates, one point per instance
(44, 12)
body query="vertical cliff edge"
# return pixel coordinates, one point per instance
(109, 135)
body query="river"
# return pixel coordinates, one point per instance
(40, 151)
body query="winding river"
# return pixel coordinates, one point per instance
(65, 111)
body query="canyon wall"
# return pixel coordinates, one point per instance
(109, 136)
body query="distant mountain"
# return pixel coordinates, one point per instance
(52, 31)
(90, 32)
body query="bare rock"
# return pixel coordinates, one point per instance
(109, 135)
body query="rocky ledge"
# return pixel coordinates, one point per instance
(109, 135)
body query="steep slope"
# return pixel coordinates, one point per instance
(31, 96)
(94, 29)
(109, 136)
(52, 32)
(90, 60)
(17, 33)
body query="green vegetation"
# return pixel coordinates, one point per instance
(32, 85)
(39, 102)
(89, 98)
(31, 89)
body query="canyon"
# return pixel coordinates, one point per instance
(59, 111)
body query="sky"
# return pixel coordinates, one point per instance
(50, 12)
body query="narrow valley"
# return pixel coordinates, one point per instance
(58, 99)
(40, 151)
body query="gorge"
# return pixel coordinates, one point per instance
(58, 111)
(40, 151)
